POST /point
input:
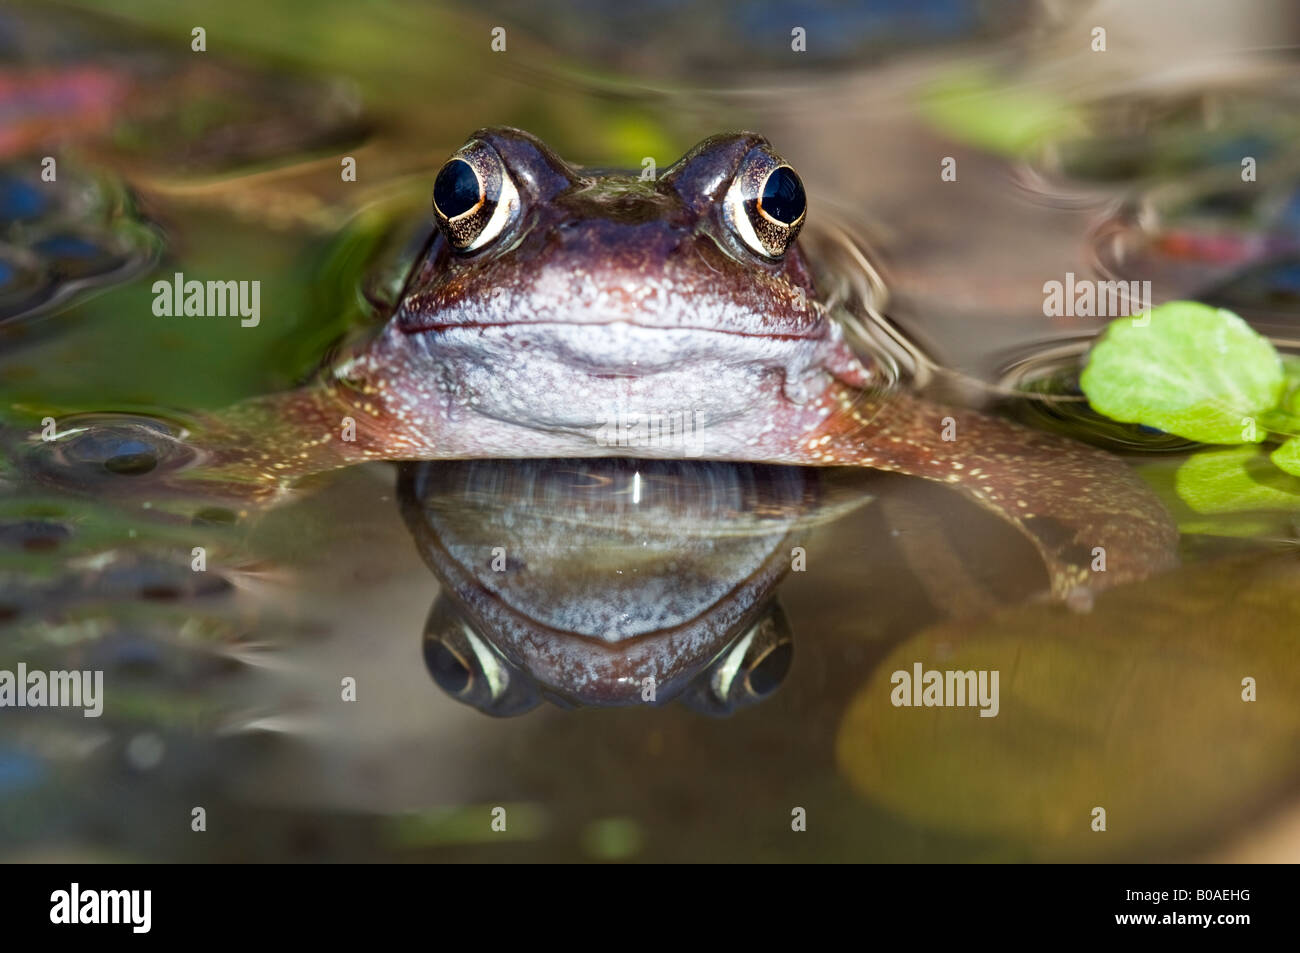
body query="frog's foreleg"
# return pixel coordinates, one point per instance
(1092, 519)
(257, 449)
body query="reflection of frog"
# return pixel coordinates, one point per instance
(607, 582)
(555, 307)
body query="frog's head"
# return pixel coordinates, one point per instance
(552, 297)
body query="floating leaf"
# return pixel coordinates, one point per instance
(1287, 456)
(1289, 412)
(1186, 368)
(1274, 520)
(1235, 480)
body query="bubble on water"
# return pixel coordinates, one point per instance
(114, 450)
(70, 256)
(24, 284)
(21, 199)
(215, 516)
(33, 536)
(56, 244)
(106, 450)
(159, 581)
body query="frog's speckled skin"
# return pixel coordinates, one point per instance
(607, 295)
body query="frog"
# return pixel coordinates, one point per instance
(550, 299)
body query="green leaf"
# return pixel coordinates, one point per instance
(1233, 481)
(1160, 472)
(1287, 456)
(1291, 390)
(1280, 424)
(1192, 370)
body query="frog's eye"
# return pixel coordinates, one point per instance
(749, 670)
(766, 205)
(473, 197)
(469, 669)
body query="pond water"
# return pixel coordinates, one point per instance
(347, 675)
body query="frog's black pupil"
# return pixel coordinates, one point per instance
(771, 670)
(448, 671)
(783, 197)
(455, 191)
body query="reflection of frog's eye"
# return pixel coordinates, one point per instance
(448, 667)
(747, 671)
(769, 670)
(469, 669)
(766, 205)
(473, 197)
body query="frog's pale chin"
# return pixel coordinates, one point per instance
(584, 376)
(563, 390)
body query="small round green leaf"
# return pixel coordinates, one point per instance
(1188, 369)
(1235, 480)
(1287, 456)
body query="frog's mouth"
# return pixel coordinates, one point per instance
(449, 326)
(575, 375)
(621, 345)
(580, 377)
